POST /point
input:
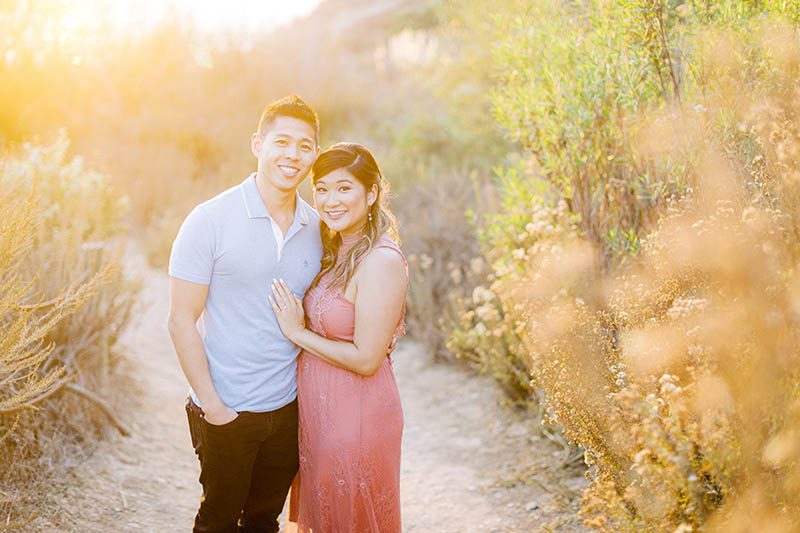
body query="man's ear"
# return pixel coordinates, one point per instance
(255, 144)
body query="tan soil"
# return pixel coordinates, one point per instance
(469, 464)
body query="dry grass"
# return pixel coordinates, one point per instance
(63, 303)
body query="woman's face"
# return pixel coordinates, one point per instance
(342, 201)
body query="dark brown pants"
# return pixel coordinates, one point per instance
(246, 468)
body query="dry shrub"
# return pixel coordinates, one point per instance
(63, 303)
(679, 372)
(679, 376)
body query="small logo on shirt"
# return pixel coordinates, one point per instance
(306, 263)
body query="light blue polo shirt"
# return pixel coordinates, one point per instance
(228, 244)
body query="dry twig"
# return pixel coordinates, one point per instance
(123, 429)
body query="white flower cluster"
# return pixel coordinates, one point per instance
(668, 384)
(481, 294)
(683, 307)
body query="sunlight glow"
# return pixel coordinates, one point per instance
(77, 28)
(248, 16)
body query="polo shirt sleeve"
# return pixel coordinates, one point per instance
(192, 257)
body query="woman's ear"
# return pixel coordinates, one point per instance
(372, 195)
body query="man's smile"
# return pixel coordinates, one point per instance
(290, 171)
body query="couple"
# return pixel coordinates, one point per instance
(283, 318)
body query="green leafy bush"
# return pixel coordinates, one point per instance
(649, 315)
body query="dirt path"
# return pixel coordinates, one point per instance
(468, 464)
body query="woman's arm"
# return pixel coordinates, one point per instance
(380, 292)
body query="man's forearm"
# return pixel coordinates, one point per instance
(192, 357)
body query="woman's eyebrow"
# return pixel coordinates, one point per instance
(322, 181)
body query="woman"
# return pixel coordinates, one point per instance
(350, 417)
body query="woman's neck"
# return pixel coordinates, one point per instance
(350, 240)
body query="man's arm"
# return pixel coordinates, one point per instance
(186, 302)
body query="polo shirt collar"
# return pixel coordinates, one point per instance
(255, 205)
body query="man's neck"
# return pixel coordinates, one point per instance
(280, 204)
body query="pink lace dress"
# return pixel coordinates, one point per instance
(350, 428)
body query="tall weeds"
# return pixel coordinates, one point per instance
(63, 302)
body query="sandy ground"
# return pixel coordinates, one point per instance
(469, 464)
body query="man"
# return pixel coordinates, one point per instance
(242, 407)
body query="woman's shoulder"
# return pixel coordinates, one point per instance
(385, 259)
(387, 241)
(386, 246)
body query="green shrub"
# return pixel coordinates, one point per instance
(488, 330)
(649, 314)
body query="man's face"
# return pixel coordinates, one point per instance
(286, 152)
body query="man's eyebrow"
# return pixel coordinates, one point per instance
(283, 134)
(289, 136)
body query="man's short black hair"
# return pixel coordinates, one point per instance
(289, 106)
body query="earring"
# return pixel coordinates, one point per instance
(369, 216)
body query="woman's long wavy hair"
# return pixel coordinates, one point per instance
(358, 161)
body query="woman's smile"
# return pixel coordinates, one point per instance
(335, 215)
(341, 202)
